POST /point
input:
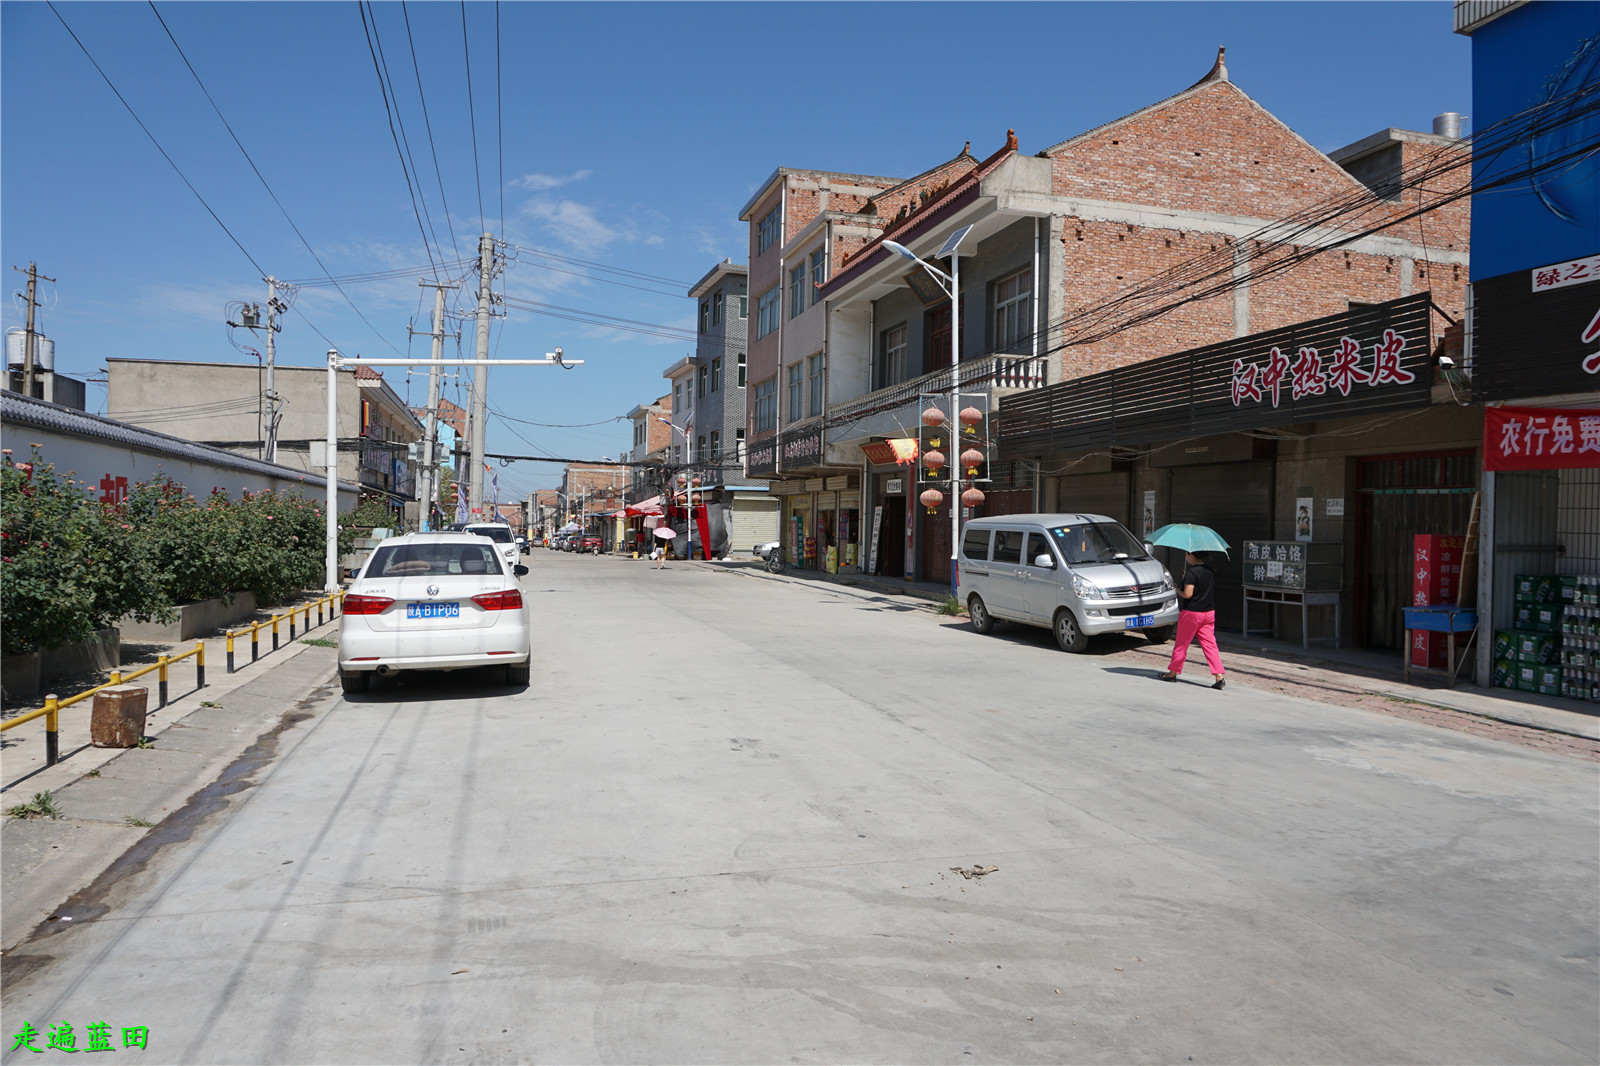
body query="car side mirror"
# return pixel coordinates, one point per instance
(1149, 549)
(1045, 561)
(519, 570)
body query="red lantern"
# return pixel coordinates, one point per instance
(935, 460)
(970, 417)
(970, 459)
(931, 499)
(933, 417)
(972, 497)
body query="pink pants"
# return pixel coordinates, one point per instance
(1191, 624)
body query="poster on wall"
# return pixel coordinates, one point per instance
(1149, 514)
(1541, 438)
(1302, 518)
(872, 543)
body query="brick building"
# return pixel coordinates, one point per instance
(1197, 221)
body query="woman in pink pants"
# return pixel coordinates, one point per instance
(1197, 616)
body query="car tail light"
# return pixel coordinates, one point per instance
(509, 600)
(354, 604)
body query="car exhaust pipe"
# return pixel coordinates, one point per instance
(387, 671)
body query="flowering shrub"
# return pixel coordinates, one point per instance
(72, 564)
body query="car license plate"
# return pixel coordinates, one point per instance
(433, 610)
(1139, 620)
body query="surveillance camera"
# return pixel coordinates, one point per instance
(558, 351)
(1446, 363)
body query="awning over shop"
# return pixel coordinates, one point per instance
(643, 507)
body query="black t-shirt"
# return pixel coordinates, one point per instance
(1204, 582)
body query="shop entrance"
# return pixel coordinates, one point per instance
(1402, 496)
(933, 544)
(1235, 499)
(892, 538)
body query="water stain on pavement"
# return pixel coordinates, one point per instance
(96, 900)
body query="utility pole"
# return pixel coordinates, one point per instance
(427, 483)
(480, 374)
(28, 341)
(271, 393)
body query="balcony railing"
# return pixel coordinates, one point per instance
(977, 375)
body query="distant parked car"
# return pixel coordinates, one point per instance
(522, 543)
(591, 542)
(434, 601)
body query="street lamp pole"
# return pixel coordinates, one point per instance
(951, 284)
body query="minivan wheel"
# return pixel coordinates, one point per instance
(355, 680)
(1160, 634)
(1068, 635)
(978, 614)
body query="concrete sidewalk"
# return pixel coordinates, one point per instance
(110, 798)
(1352, 671)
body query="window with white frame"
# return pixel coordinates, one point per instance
(738, 443)
(716, 447)
(767, 233)
(819, 273)
(739, 372)
(797, 385)
(1013, 306)
(893, 351)
(797, 290)
(700, 447)
(815, 367)
(716, 308)
(716, 373)
(677, 396)
(705, 315)
(701, 380)
(767, 311)
(767, 405)
(743, 302)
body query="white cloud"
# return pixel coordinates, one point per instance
(541, 182)
(571, 223)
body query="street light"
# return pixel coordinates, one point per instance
(951, 284)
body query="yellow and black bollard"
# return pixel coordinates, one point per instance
(199, 664)
(52, 730)
(230, 651)
(161, 679)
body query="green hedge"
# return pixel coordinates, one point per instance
(70, 565)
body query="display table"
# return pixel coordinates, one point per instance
(1305, 600)
(1441, 619)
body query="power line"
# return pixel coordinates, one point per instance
(383, 90)
(405, 139)
(257, 170)
(385, 275)
(499, 123)
(472, 114)
(428, 125)
(155, 142)
(620, 271)
(595, 318)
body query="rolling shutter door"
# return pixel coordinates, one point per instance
(754, 520)
(1105, 494)
(1235, 499)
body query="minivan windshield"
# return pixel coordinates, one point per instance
(498, 534)
(1096, 542)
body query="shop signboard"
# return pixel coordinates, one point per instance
(1365, 361)
(802, 448)
(761, 458)
(1536, 332)
(1541, 438)
(1435, 579)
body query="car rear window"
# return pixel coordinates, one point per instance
(499, 534)
(420, 560)
(975, 545)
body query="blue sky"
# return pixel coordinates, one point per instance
(626, 135)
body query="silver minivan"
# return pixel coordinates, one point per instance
(1078, 574)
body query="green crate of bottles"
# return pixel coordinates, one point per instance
(1538, 648)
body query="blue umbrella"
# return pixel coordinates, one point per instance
(1189, 537)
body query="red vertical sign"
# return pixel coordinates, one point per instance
(1435, 579)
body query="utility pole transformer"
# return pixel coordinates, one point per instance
(28, 338)
(427, 482)
(480, 376)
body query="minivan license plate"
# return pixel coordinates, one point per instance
(1139, 620)
(433, 610)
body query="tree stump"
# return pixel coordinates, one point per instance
(118, 719)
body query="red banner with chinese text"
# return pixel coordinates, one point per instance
(1541, 438)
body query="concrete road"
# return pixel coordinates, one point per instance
(720, 827)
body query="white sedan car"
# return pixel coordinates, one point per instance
(501, 534)
(434, 601)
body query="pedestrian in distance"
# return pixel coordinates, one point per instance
(1197, 617)
(659, 554)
